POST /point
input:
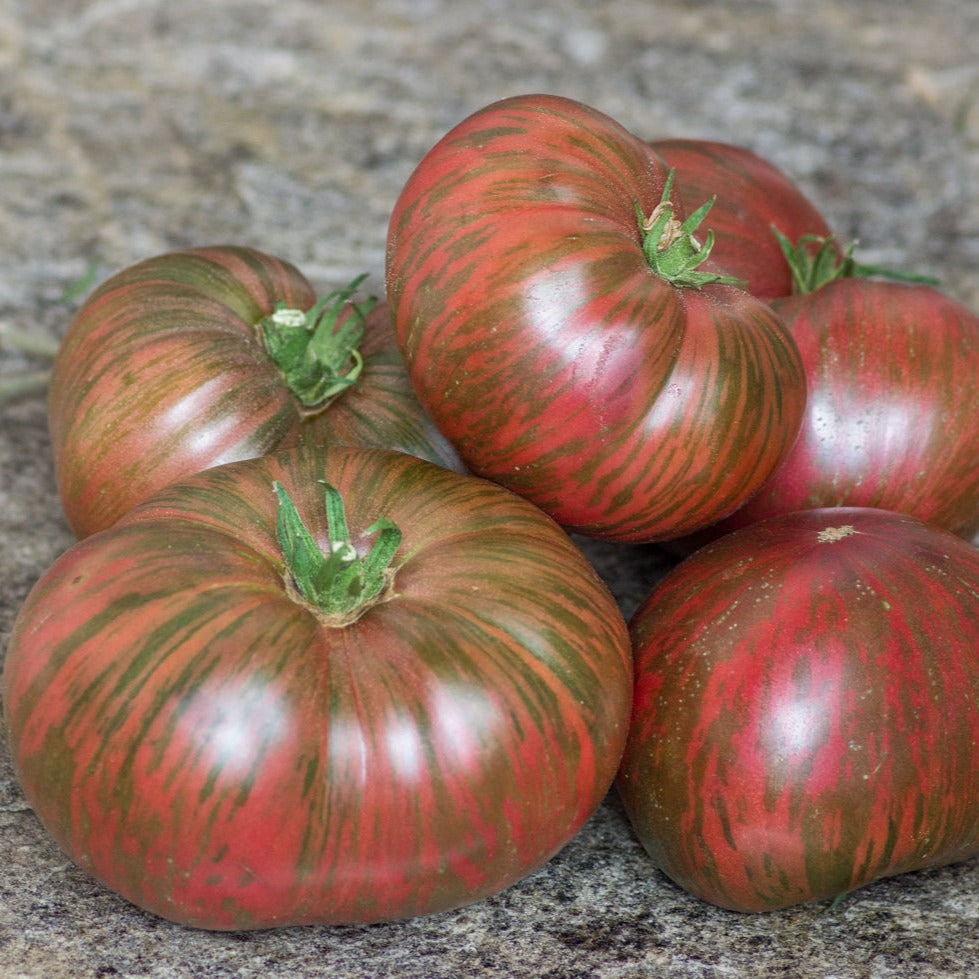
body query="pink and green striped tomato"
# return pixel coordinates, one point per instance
(807, 709)
(892, 419)
(564, 325)
(205, 356)
(234, 740)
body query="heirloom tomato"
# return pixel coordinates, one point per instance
(209, 355)
(236, 710)
(753, 197)
(807, 709)
(892, 419)
(569, 334)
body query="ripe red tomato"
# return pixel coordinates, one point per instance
(229, 742)
(892, 419)
(753, 196)
(165, 371)
(807, 709)
(569, 334)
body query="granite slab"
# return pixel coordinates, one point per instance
(131, 127)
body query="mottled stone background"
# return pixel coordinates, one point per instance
(130, 127)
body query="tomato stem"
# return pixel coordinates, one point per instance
(340, 583)
(316, 352)
(670, 247)
(816, 261)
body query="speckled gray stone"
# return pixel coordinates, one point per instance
(130, 127)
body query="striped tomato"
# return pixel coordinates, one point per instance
(239, 713)
(807, 709)
(168, 368)
(753, 196)
(569, 334)
(892, 419)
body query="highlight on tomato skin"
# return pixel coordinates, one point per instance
(327, 685)
(892, 372)
(565, 325)
(807, 708)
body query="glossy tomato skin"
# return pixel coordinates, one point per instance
(807, 709)
(751, 196)
(162, 373)
(892, 421)
(548, 352)
(212, 749)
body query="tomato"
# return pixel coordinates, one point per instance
(753, 196)
(892, 420)
(165, 370)
(807, 709)
(201, 736)
(569, 334)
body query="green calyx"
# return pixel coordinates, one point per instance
(816, 261)
(318, 355)
(339, 583)
(672, 251)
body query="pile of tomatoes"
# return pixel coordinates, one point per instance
(325, 650)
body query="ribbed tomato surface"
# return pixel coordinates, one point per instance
(218, 752)
(162, 373)
(551, 355)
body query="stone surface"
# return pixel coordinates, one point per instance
(130, 127)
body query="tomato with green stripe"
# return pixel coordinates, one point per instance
(892, 419)
(807, 709)
(326, 685)
(566, 327)
(209, 355)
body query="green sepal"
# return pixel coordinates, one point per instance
(318, 356)
(671, 250)
(815, 261)
(339, 582)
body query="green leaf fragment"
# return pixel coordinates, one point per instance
(815, 261)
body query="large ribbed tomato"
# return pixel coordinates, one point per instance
(567, 331)
(753, 197)
(166, 369)
(807, 708)
(892, 419)
(216, 714)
